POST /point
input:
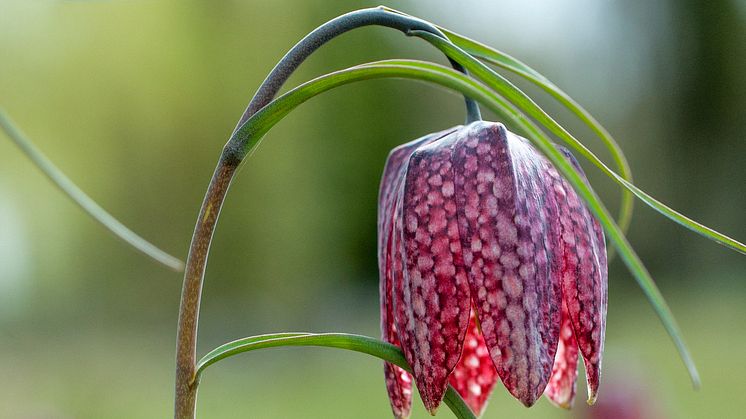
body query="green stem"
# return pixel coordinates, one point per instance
(357, 343)
(84, 201)
(379, 16)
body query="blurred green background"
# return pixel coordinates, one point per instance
(134, 100)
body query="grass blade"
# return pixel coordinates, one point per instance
(84, 201)
(351, 342)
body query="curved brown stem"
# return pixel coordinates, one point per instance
(233, 153)
(186, 340)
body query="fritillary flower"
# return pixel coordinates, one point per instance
(491, 266)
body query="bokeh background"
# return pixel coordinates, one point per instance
(134, 99)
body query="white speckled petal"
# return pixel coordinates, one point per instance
(561, 387)
(505, 216)
(432, 304)
(398, 381)
(584, 275)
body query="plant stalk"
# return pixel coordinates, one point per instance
(375, 16)
(233, 153)
(186, 340)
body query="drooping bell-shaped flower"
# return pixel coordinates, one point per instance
(491, 266)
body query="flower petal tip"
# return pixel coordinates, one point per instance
(529, 403)
(401, 413)
(592, 391)
(525, 399)
(432, 399)
(592, 398)
(696, 382)
(479, 413)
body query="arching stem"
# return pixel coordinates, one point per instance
(186, 341)
(378, 16)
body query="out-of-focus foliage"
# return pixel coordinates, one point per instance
(134, 100)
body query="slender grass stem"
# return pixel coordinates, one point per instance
(85, 202)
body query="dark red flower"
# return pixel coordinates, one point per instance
(490, 266)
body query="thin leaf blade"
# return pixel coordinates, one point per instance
(82, 199)
(351, 342)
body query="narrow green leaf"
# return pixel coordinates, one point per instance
(523, 102)
(234, 347)
(357, 343)
(249, 135)
(84, 201)
(514, 65)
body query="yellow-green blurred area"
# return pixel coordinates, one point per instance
(134, 99)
